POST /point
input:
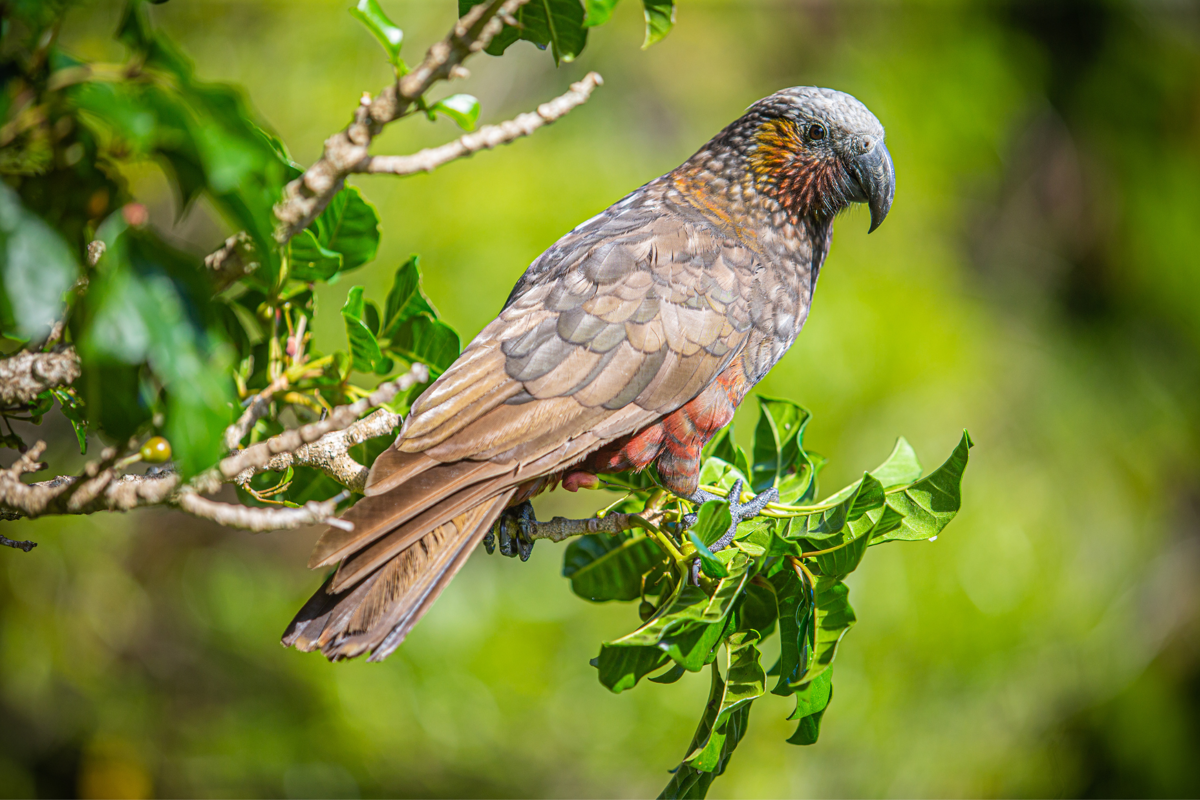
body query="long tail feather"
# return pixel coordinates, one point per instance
(375, 615)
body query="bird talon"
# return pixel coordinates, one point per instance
(739, 512)
(514, 530)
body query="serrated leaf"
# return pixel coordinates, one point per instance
(603, 567)
(310, 261)
(363, 347)
(660, 18)
(929, 504)
(462, 108)
(390, 37)
(846, 558)
(850, 518)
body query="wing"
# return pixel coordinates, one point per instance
(624, 320)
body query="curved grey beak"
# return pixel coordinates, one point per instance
(876, 181)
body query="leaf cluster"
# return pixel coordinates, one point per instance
(784, 574)
(562, 25)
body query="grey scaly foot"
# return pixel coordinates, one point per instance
(738, 511)
(513, 528)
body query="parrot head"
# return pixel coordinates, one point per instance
(815, 151)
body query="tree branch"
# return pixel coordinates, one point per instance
(487, 137)
(323, 445)
(342, 417)
(26, 545)
(560, 528)
(330, 453)
(306, 196)
(233, 260)
(27, 374)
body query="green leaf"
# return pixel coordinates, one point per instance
(712, 521)
(349, 225)
(745, 682)
(901, 466)
(603, 567)
(795, 603)
(371, 15)
(929, 504)
(833, 619)
(726, 717)
(598, 12)
(709, 564)
(620, 668)
(310, 261)
(758, 610)
(425, 340)
(36, 266)
(73, 409)
(201, 132)
(686, 629)
(405, 299)
(811, 701)
(557, 24)
(851, 517)
(462, 108)
(363, 346)
(142, 309)
(778, 453)
(671, 675)
(660, 18)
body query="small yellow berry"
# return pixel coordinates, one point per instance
(156, 450)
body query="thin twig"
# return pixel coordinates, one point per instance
(25, 545)
(487, 137)
(262, 519)
(330, 453)
(253, 413)
(307, 196)
(342, 417)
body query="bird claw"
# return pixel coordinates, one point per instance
(738, 511)
(513, 529)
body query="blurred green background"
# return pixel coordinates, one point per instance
(1035, 282)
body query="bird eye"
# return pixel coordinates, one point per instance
(816, 131)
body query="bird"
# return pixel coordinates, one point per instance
(630, 342)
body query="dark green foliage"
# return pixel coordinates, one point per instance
(784, 572)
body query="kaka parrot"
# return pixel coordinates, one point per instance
(629, 342)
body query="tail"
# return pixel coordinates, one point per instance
(408, 543)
